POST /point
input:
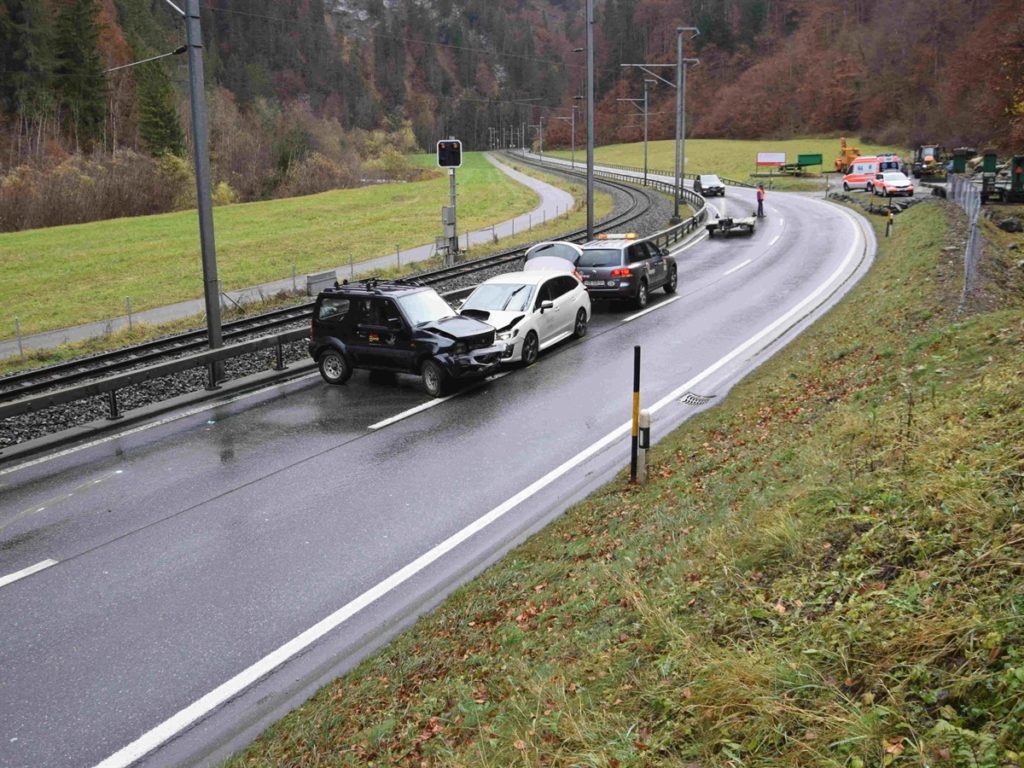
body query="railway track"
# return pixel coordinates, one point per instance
(97, 367)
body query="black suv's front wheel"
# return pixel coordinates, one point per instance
(334, 367)
(435, 380)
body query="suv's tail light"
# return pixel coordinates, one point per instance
(622, 272)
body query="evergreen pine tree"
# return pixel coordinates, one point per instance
(81, 85)
(26, 58)
(159, 126)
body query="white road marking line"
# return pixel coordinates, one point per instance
(739, 266)
(647, 311)
(774, 240)
(13, 577)
(425, 406)
(231, 688)
(144, 427)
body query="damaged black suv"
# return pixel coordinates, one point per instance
(396, 326)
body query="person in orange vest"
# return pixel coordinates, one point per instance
(760, 200)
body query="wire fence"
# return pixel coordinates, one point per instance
(967, 195)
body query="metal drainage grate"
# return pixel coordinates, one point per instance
(691, 398)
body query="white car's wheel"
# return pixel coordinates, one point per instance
(531, 348)
(579, 328)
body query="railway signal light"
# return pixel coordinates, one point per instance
(449, 153)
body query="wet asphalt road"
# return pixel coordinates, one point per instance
(187, 553)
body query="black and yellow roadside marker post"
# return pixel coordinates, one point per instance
(640, 436)
(888, 220)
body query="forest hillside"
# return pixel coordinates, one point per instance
(307, 95)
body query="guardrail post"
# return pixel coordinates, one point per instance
(211, 377)
(112, 405)
(17, 332)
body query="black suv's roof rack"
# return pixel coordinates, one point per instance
(375, 284)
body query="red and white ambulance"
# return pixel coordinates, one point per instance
(864, 169)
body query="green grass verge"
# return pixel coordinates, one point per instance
(731, 159)
(155, 260)
(573, 219)
(825, 570)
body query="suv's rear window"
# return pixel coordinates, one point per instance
(601, 257)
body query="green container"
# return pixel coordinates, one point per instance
(988, 164)
(808, 159)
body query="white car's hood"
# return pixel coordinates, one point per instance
(500, 319)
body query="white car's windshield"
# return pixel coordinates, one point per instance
(425, 306)
(898, 176)
(710, 181)
(500, 297)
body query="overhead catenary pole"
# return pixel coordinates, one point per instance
(646, 83)
(200, 139)
(590, 119)
(680, 116)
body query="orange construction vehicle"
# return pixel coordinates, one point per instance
(846, 157)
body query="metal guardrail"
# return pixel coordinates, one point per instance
(675, 233)
(110, 386)
(659, 172)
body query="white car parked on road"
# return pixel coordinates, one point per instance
(531, 311)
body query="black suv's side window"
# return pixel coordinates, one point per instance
(391, 316)
(332, 308)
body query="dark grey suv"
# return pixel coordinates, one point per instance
(394, 326)
(622, 267)
(709, 184)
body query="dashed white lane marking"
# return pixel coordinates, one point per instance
(44, 505)
(13, 577)
(774, 240)
(650, 309)
(426, 406)
(741, 265)
(231, 688)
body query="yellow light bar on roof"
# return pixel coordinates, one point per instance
(617, 236)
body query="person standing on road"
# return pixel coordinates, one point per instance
(760, 201)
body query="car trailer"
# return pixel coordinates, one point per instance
(727, 224)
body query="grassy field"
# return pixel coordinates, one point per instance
(729, 159)
(825, 570)
(155, 260)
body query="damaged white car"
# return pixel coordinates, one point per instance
(530, 311)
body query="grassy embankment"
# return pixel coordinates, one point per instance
(825, 570)
(155, 259)
(732, 159)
